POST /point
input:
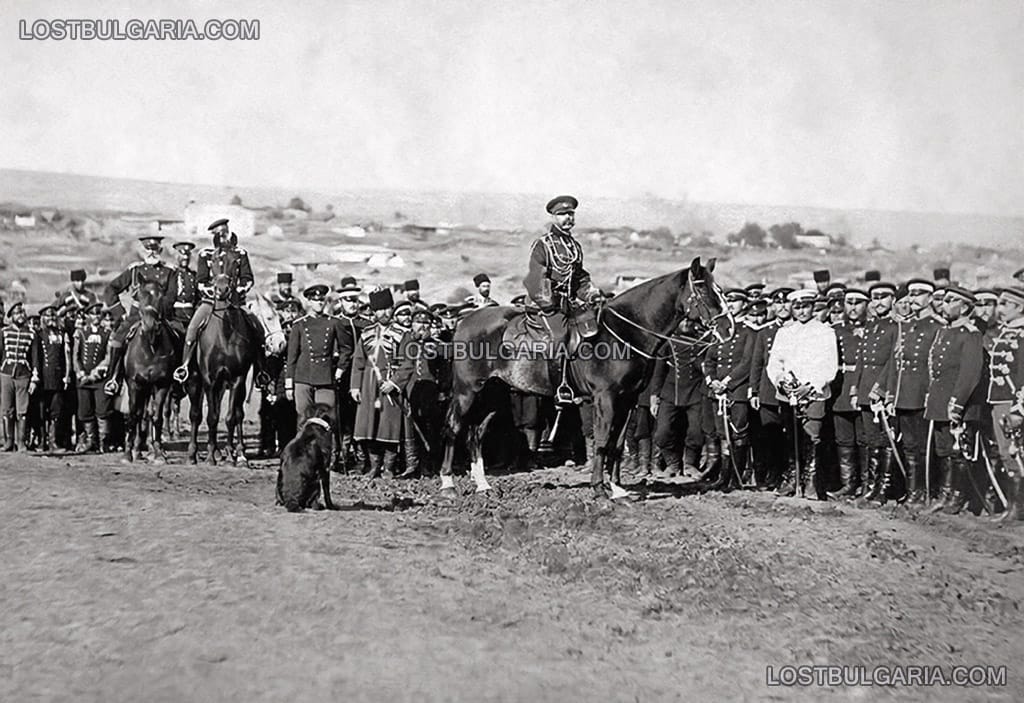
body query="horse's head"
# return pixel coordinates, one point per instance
(221, 287)
(275, 338)
(150, 301)
(702, 301)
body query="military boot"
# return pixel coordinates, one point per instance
(787, 479)
(1013, 497)
(847, 472)
(716, 463)
(22, 429)
(412, 458)
(872, 476)
(181, 373)
(737, 468)
(810, 477)
(51, 438)
(691, 461)
(643, 456)
(389, 464)
(959, 497)
(9, 433)
(915, 479)
(114, 375)
(890, 484)
(376, 461)
(945, 490)
(673, 464)
(101, 436)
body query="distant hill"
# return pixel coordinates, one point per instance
(510, 211)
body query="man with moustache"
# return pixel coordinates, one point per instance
(847, 422)
(770, 445)
(1006, 395)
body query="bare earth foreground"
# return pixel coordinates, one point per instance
(171, 583)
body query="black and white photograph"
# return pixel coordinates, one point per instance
(566, 350)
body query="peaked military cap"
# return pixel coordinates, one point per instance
(184, 247)
(736, 294)
(1015, 295)
(562, 203)
(17, 307)
(855, 294)
(986, 295)
(803, 295)
(217, 223)
(151, 238)
(962, 294)
(920, 285)
(316, 292)
(885, 286)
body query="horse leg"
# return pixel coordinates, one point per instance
(156, 449)
(603, 414)
(461, 402)
(236, 415)
(613, 451)
(214, 394)
(476, 455)
(195, 415)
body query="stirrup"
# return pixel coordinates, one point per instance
(564, 394)
(181, 374)
(112, 387)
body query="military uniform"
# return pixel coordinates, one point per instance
(233, 264)
(875, 363)
(846, 415)
(906, 388)
(184, 285)
(678, 382)
(1006, 395)
(729, 362)
(17, 373)
(278, 419)
(94, 406)
(770, 445)
(417, 377)
(52, 350)
(137, 276)
(349, 331)
(313, 362)
(478, 301)
(378, 416)
(75, 299)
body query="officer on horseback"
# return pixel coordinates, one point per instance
(556, 280)
(151, 272)
(226, 259)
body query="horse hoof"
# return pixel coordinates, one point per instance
(242, 462)
(193, 461)
(600, 491)
(158, 460)
(448, 494)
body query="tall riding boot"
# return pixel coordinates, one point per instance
(1013, 498)
(960, 496)
(643, 456)
(360, 456)
(915, 479)
(51, 437)
(847, 455)
(390, 461)
(737, 467)
(809, 476)
(83, 440)
(114, 374)
(376, 461)
(9, 432)
(673, 463)
(22, 433)
(889, 484)
(787, 479)
(716, 462)
(100, 435)
(412, 458)
(92, 431)
(945, 492)
(872, 475)
(691, 461)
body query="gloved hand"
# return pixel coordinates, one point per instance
(355, 394)
(955, 412)
(388, 387)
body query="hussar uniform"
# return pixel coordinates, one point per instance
(1005, 393)
(94, 405)
(17, 374)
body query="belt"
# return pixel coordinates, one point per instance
(847, 368)
(179, 304)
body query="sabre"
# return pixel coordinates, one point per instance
(723, 411)
(992, 477)
(928, 464)
(881, 418)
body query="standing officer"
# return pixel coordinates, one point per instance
(151, 271)
(677, 403)
(185, 285)
(770, 445)
(418, 388)
(1006, 394)
(846, 415)
(875, 362)
(94, 406)
(727, 374)
(313, 345)
(956, 395)
(278, 421)
(350, 327)
(18, 376)
(907, 388)
(52, 353)
(802, 363)
(482, 299)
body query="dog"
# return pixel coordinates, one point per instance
(305, 469)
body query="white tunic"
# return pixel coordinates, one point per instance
(808, 350)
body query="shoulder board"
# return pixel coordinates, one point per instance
(301, 318)
(135, 264)
(240, 250)
(206, 252)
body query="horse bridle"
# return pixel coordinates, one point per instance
(679, 338)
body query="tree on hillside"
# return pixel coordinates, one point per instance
(296, 203)
(752, 235)
(235, 200)
(785, 235)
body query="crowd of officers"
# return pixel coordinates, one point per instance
(908, 393)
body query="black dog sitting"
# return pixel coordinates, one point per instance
(306, 464)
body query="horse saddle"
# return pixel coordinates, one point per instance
(528, 328)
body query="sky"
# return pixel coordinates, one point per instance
(896, 105)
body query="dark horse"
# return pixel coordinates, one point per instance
(226, 349)
(149, 360)
(612, 367)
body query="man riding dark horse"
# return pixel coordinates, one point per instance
(557, 283)
(142, 279)
(225, 259)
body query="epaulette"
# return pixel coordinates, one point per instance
(300, 318)
(241, 250)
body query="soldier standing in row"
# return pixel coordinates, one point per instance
(313, 356)
(1006, 394)
(18, 377)
(94, 405)
(770, 442)
(956, 365)
(278, 420)
(379, 413)
(802, 363)
(418, 390)
(876, 359)
(727, 374)
(846, 416)
(52, 353)
(678, 397)
(77, 296)
(350, 328)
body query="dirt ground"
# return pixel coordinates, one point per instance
(172, 583)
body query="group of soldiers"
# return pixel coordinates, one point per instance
(910, 392)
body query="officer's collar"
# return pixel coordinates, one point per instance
(1015, 324)
(555, 229)
(965, 321)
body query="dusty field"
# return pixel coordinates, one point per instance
(132, 583)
